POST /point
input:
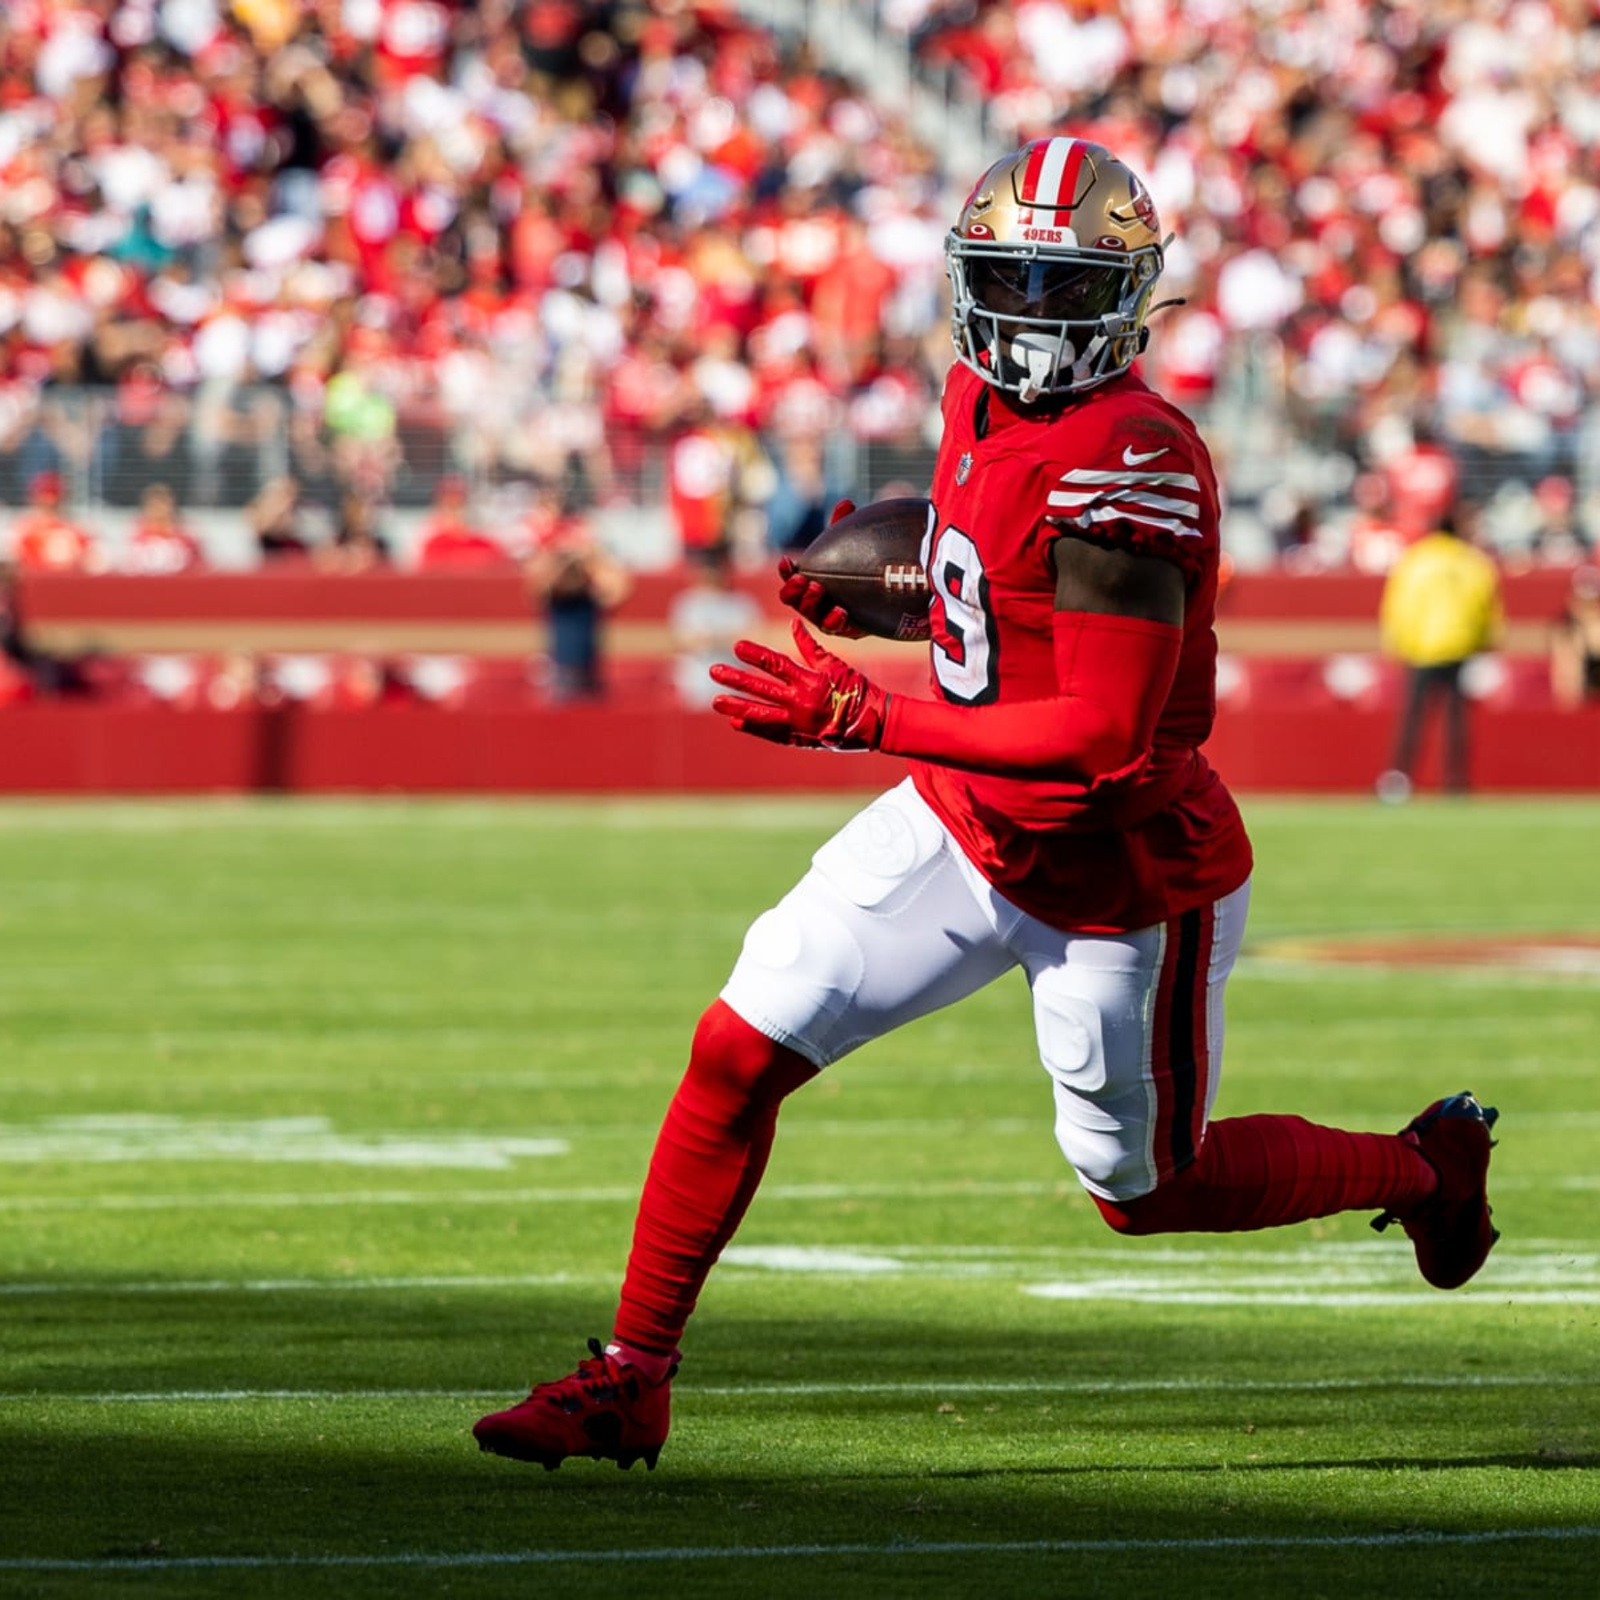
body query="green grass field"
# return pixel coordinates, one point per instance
(320, 1131)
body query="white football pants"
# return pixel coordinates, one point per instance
(892, 921)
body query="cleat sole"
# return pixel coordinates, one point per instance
(508, 1452)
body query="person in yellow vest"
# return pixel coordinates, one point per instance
(1441, 606)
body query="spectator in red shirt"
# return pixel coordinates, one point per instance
(704, 465)
(160, 544)
(1376, 540)
(848, 303)
(449, 538)
(1422, 483)
(43, 539)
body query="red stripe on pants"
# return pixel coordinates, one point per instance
(1180, 1049)
(1201, 1029)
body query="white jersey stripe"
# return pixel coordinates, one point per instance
(1127, 495)
(1173, 480)
(1048, 190)
(1184, 530)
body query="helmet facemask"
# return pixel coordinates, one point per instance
(1039, 323)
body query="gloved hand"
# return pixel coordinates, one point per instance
(810, 599)
(817, 702)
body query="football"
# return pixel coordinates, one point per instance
(870, 562)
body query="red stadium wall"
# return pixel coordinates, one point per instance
(63, 748)
(1286, 723)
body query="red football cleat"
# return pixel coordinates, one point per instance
(1451, 1229)
(608, 1410)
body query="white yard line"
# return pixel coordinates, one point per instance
(210, 1201)
(1148, 1291)
(620, 1194)
(1156, 1296)
(1364, 1273)
(917, 1386)
(891, 1548)
(628, 1194)
(180, 1286)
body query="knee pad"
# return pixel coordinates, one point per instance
(803, 941)
(798, 973)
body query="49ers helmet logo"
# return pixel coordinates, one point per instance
(1144, 208)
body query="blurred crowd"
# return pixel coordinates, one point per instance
(366, 244)
(326, 258)
(1390, 210)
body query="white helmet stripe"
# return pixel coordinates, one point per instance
(1058, 172)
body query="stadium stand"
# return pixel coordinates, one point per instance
(678, 265)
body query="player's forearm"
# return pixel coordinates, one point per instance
(1065, 737)
(1114, 675)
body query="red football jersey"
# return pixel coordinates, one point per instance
(1122, 467)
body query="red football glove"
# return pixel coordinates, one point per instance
(818, 702)
(810, 599)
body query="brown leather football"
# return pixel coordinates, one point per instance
(870, 562)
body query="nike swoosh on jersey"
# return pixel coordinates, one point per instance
(1131, 458)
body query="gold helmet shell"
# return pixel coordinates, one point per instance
(1052, 264)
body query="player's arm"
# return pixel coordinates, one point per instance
(1118, 632)
(1109, 581)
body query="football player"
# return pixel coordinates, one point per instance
(1058, 817)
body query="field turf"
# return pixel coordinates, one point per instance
(320, 1131)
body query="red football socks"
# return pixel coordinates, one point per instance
(708, 1161)
(1267, 1171)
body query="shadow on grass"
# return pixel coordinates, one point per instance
(161, 1505)
(348, 1464)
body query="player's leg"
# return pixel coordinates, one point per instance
(1412, 716)
(885, 927)
(1131, 1031)
(708, 1160)
(1457, 775)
